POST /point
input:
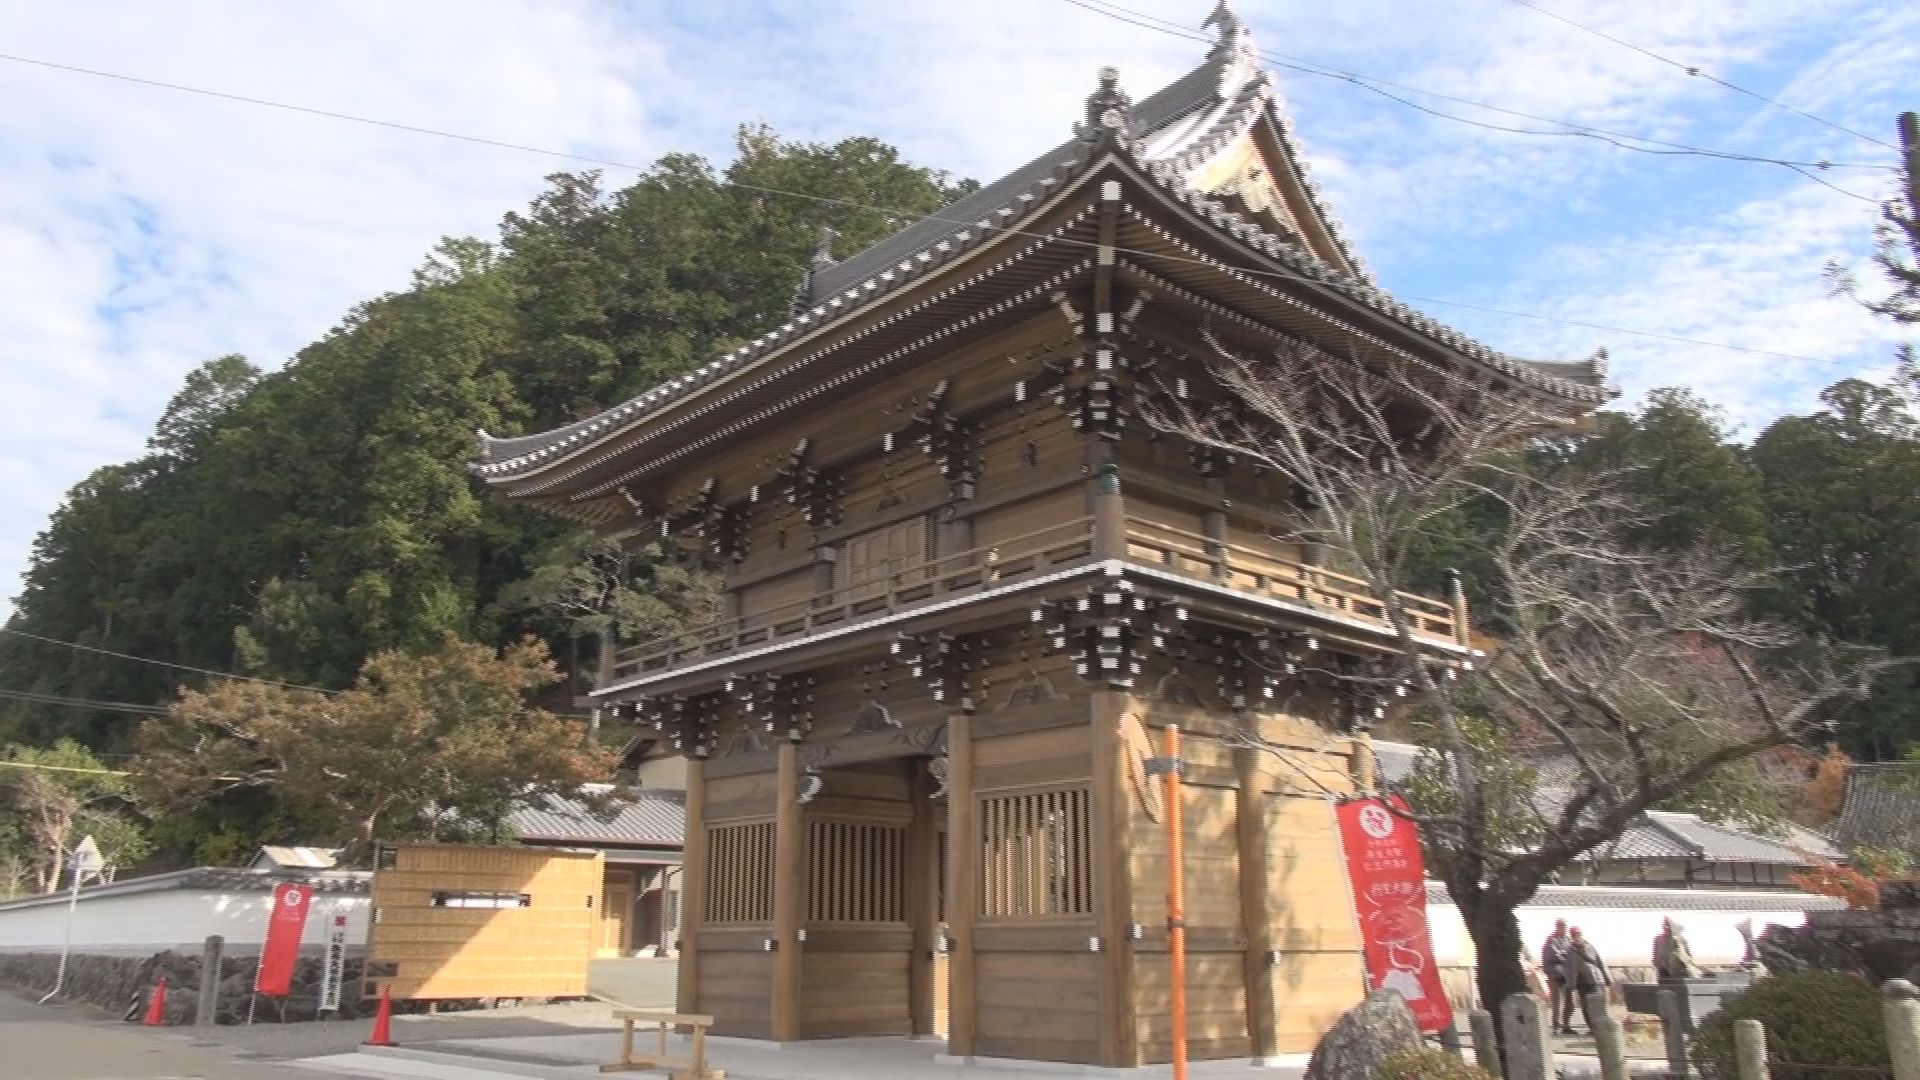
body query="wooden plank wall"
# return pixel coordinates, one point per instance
(854, 967)
(736, 973)
(1307, 913)
(1038, 987)
(1216, 945)
(541, 950)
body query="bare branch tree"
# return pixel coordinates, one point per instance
(1624, 679)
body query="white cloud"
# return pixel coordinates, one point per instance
(146, 230)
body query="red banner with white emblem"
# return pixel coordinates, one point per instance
(281, 950)
(1388, 876)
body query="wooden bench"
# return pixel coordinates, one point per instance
(695, 1069)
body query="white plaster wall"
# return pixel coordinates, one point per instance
(148, 922)
(668, 772)
(1624, 936)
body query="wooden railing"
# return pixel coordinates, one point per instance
(1235, 566)
(959, 573)
(1246, 569)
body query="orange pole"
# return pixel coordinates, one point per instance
(1176, 908)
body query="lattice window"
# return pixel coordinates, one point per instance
(856, 872)
(740, 873)
(1037, 854)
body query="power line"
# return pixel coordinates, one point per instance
(161, 663)
(1356, 290)
(1696, 71)
(81, 703)
(1567, 128)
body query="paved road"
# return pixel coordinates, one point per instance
(77, 1043)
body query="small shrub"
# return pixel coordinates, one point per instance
(1428, 1063)
(1811, 1017)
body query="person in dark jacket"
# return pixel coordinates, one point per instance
(1554, 963)
(1589, 974)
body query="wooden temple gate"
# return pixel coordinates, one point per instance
(963, 593)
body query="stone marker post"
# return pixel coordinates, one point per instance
(1750, 1049)
(1608, 1040)
(1529, 1051)
(1486, 1048)
(209, 981)
(1673, 1025)
(1450, 1040)
(1901, 1008)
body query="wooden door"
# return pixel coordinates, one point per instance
(874, 562)
(616, 915)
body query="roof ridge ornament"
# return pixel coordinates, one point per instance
(822, 259)
(1234, 51)
(1108, 110)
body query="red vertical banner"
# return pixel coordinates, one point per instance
(282, 947)
(1388, 876)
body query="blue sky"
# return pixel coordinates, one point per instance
(144, 231)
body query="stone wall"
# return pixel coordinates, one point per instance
(114, 983)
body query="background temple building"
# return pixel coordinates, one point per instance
(965, 587)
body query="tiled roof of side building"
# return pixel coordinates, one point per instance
(1645, 899)
(654, 817)
(1174, 131)
(1881, 807)
(1656, 834)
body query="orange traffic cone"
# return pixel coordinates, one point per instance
(383, 1021)
(157, 1005)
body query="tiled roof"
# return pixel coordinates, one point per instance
(1657, 834)
(1170, 135)
(214, 879)
(1881, 807)
(647, 816)
(1601, 896)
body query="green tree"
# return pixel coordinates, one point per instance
(57, 795)
(1845, 509)
(420, 747)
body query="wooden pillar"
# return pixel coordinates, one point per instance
(963, 876)
(1360, 766)
(1109, 514)
(693, 888)
(789, 894)
(1119, 1028)
(1256, 911)
(923, 898)
(1214, 526)
(824, 559)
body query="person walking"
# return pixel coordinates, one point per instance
(1589, 974)
(1672, 958)
(1554, 961)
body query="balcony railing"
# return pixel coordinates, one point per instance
(1246, 569)
(949, 576)
(1234, 566)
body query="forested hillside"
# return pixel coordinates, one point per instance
(290, 524)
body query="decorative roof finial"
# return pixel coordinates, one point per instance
(1107, 107)
(1229, 24)
(821, 259)
(1235, 53)
(823, 249)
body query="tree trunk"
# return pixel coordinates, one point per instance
(1495, 931)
